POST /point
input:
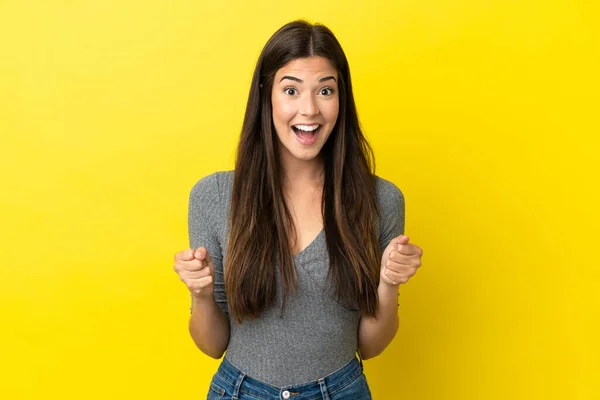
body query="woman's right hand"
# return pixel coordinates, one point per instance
(196, 270)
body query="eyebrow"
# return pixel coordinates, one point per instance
(293, 78)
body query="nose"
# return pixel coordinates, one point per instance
(309, 106)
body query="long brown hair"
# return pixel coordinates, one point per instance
(259, 217)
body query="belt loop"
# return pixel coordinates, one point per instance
(238, 384)
(360, 359)
(323, 389)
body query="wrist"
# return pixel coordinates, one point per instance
(202, 300)
(388, 294)
(385, 289)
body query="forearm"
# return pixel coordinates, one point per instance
(375, 333)
(209, 327)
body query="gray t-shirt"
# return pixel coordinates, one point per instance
(316, 335)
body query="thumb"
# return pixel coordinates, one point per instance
(402, 239)
(202, 255)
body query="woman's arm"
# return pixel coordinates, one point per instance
(209, 322)
(376, 333)
(209, 327)
(399, 263)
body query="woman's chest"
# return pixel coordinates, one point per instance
(307, 220)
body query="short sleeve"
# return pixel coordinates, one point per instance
(392, 208)
(204, 218)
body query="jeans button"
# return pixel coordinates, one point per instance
(285, 394)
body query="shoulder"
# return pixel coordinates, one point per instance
(392, 209)
(213, 183)
(388, 192)
(210, 190)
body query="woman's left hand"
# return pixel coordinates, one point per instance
(400, 261)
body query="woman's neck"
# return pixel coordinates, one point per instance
(299, 174)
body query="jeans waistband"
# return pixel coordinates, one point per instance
(332, 382)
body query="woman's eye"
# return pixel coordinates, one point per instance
(289, 91)
(327, 91)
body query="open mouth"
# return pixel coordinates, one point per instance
(306, 134)
(306, 131)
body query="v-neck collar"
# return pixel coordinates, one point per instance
(310, 245)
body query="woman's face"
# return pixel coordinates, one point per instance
(305, 106)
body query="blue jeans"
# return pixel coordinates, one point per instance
(348, 382)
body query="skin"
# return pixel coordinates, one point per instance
(304, 92)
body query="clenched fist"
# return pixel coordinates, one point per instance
(196, 270)
(400, 261)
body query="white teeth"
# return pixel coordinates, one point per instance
(307, 128)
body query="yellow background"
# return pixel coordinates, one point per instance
(484, 113)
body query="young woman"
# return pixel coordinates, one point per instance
(298, 253)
